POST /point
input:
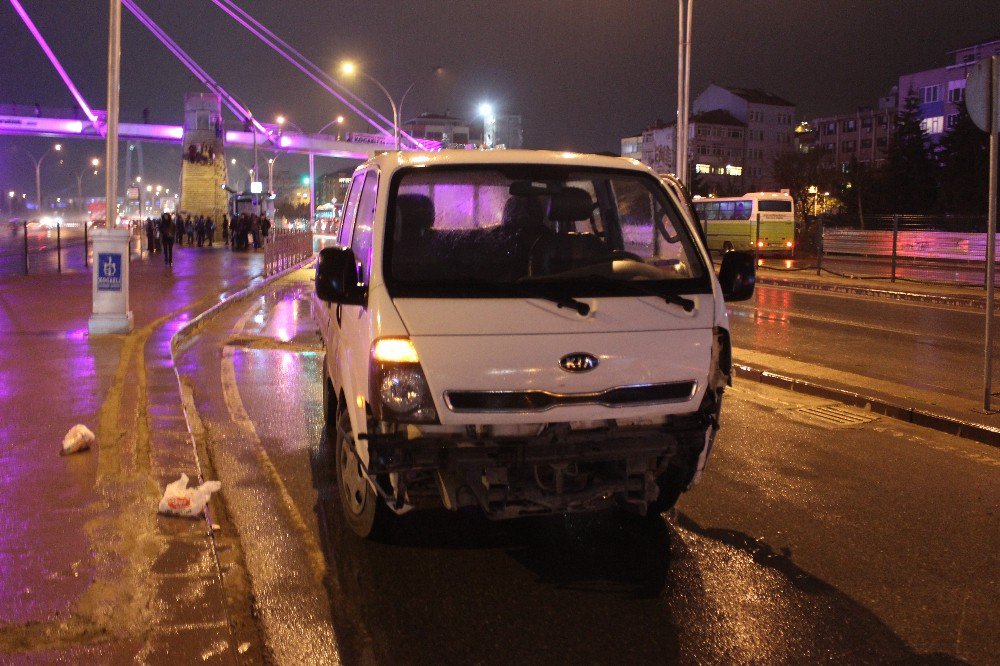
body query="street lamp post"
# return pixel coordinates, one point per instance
(339, 121)
(349, 69)
(38, 174)
(94, 164)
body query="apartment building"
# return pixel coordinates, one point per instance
(863, 136)
(716, 151)
(941, 91)
(768, 120)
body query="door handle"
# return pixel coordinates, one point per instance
(339, 312)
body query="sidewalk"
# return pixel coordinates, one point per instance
(88, 571)
(958, 416)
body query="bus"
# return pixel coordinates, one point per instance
(758, 221)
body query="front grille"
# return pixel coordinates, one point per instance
(540, 401)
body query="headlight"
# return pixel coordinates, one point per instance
(397, 384)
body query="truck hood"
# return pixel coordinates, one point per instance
(474, 350)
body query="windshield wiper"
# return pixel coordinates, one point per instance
(561, 301)
(673, 299)
(569, 302)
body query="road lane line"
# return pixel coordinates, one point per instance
(237, 412)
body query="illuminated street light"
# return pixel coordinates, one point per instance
(339, 121)
(38, 173)
(489, 124)
(93, 168)
(350, 69)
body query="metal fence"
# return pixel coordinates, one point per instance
(31, 247)
(284, 249)
(935, 249)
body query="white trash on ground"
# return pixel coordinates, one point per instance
(179, 500)
(79, 438)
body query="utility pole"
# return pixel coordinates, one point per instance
(684, 16)
(114, 85)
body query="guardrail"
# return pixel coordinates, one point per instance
(283, 249)
(31, 247)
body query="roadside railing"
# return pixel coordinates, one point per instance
(31, 248)
(284, 249)
(929, 249)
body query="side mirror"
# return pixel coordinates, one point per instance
(337, 277)
(737, 275)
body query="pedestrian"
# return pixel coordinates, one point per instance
(189, 229)
(265, 227)
(199, 230)
(255, 231)
(225, 229)
(179, 224)
(150, 229)
(168, 232)
(210, 230)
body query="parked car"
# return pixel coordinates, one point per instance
(520, 331)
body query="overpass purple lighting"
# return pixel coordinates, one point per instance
(54, 60)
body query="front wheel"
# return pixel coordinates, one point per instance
(365, 513)
(672, 483)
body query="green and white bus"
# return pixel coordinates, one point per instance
(761, 221)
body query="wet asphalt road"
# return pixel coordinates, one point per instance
(868, 544)
(922, 346)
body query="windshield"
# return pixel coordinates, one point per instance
(520, 230)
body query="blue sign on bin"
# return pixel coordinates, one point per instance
(109, 271)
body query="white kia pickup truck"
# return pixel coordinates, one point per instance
(524, 332)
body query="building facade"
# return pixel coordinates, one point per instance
(863, 136)
(439, 127)
(717, 150)
(769, 123)
(941, 91)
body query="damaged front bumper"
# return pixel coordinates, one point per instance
(559, 469)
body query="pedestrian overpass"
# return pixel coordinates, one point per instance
(213, 137)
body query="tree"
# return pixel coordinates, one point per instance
(862, 190)
(964, 156)
(797, 171)
(910, 169)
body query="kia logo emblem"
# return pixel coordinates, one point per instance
(578, 362)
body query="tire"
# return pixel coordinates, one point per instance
(672, 484)
(364, 511)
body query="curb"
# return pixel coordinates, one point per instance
(246, 292)
(974, 431)
(973, 302)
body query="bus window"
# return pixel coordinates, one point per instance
(774, 206)
(742, 210)
(726, 210)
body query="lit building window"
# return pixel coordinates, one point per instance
(734, 170)
(932, 125)
(702, 168)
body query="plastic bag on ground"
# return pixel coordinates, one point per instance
(79, 438)
(179, 500)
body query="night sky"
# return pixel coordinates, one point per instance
(581, 73)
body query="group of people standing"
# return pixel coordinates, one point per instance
(238, 233)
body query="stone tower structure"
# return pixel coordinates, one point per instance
(203, 162)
